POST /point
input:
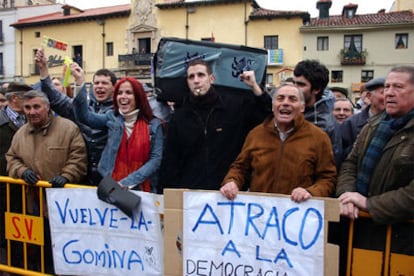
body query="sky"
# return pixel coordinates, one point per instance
(364, 6)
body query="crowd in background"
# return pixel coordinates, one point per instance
(303, 139)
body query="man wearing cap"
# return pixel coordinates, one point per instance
(339, 92)
(351, 127)
(11, 119)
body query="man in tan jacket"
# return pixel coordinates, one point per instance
(285, 154)
(46, 148)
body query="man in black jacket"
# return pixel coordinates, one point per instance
(207, 132)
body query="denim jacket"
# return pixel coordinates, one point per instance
(115, 126)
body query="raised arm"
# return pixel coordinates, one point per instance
(249, 78)
(257, 107)
(59, 102)
(80, 103)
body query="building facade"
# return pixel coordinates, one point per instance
(124, 38)
(358, 47)
(93, 37)
(23, 3)
(9, 14)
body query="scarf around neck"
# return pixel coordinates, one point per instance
(129, 120)
(133, 153)
(383, 134)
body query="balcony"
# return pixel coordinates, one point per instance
(349, 57)
(134, 60)
(275, 57)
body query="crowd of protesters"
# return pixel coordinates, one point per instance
(307, 140)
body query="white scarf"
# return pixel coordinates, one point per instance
(129, 120)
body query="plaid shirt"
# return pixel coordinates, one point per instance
(17, 118)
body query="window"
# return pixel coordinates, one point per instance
(336, 76)
(269, 78)
(350, 13)
(271, 42)
(77, 55)
(367, 75)
(109, 49)
(353, 42)
(1, 64)
(322, 43)
(144, 45)
(401, 41)
(37, 34)
(34, 70)
(1, 30)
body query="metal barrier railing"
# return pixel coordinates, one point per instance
(386, 253)
(44, 184)
(29, 222)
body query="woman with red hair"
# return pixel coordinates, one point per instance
(133, 153)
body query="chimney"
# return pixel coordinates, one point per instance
(323, 6)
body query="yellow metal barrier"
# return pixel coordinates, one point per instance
(373, 262)
(25, 230)
(28, 229)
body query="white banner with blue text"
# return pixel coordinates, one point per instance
(252, 235)
(91, 237)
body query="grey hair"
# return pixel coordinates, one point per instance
(345, 99)
(409, 69)
(36, 94)
(301, 97)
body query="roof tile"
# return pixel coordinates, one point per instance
(398, 17)
(81, 14)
